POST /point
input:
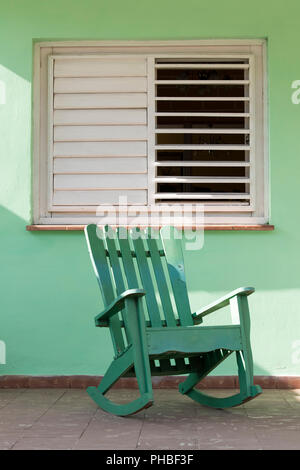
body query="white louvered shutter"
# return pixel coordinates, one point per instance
(98, 131)
(155, 125)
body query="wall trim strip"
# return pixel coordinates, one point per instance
(259, 227)
(83, 381)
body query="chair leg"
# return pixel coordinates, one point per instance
(120, 410)
(210, 362)
(247, 391)
(118, 368)
(137, 356)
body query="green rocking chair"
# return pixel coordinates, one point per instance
(150, 336)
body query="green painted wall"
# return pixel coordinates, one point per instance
(48, 291)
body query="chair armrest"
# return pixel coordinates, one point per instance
(220, 303)
(117, 305)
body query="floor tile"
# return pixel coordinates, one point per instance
(69, 419)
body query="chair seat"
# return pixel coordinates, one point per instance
(193, 339)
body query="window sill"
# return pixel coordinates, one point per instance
(65, 228)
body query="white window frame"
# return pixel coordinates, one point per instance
(152, 49)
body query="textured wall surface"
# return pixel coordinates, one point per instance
(49, 293)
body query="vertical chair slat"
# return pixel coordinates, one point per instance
(115, 262)
(101, 267)
(147, 282)
(127, 259)
(161, 280)
(128, 264)
(174, 256)
(98, 256)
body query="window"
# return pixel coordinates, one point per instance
(153, 124)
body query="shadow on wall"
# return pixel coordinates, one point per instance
(265, 260)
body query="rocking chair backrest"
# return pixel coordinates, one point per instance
(134, 259)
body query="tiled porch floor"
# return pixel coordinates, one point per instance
(68, 419)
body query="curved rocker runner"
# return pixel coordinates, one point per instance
(151, 338)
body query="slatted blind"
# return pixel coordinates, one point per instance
(204, 132)
(98, 131)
